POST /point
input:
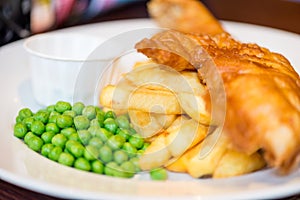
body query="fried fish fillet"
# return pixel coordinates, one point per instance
(185, 16)
(262, 91)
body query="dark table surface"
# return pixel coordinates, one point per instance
(282, 14)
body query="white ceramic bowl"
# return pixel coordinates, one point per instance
(55, 60)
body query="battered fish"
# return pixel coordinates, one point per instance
(262, 88)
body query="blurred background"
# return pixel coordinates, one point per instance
(22, 18)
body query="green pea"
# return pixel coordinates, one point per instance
(82, 164)
(70, 113)
(111, 125)
(97, 167)
(84, 136)
(81, 122)
(42, 116)
(52, 117)
(89, 111)
(47, 136)
(94, 130)
(76, 149)
(64, 121)
(110, 168)
(115, 142)
(28, 121)
(135, 162)
(104, 134)
(68, 131)
(59, 140)
(46, 149)
(123, 122)
(91, 152)
(70, 143)
(105, 154)
(50, 108)
(78, 107)
(136, 141)
(94, 123)
(110, 114)
(140, 152)
(19, 119)
(124, 133)
(119, 172)
(117, 131)
(35, 143)
(52, 127)
(37, 127)
(66, 150)
(62, 106)
(159, 174)
(120, 156)
(20, 130)
(128, 169)
(99, 110)
(100, 118)
(55, 153)
(66, 159)
(146, 145)
(130, 149)
(28, 136)
(96, 142)
(54, 113)
(25, 113)
(132, 131)
(75, 137)
(123, 171)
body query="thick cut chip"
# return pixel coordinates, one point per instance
(190, 92)
(156, 155)
(177, 165)
(185, 136)
(234, 163)
(200, 166)
(155, 101)
(149, 124)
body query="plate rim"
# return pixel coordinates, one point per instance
(12, 178)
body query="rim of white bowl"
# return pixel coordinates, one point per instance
(31, 39)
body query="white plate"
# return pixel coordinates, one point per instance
(21, 166)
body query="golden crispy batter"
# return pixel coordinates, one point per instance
(186, 16)
(262, 92)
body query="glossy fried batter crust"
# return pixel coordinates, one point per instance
(262, 93)
(185, 16)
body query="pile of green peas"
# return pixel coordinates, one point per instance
(83, 137)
